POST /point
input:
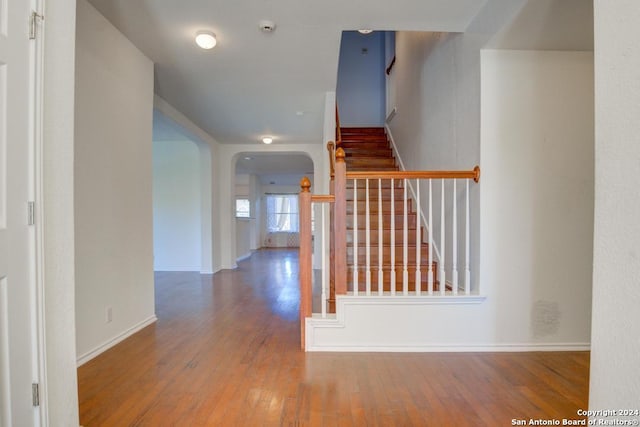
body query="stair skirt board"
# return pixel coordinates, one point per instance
(401, 324)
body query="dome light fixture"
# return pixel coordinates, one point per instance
(365, 31)
(206, 39)
(267, 139)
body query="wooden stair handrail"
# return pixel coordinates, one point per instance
(469, 174)
(338, 129)
(331, 147)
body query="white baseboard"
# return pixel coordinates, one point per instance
(117, 339)
(448, 348)
(245, 256)
(177, 268)
(413, 324)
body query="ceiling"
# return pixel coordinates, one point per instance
(253, 84)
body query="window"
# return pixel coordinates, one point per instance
(243, 208)
(282, 213)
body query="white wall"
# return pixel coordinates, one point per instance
(537, 192)
(176, 206)
(113, 184)
(361, 79)
(60, 390)
(208, 147)
(247, 228)
(615, 377)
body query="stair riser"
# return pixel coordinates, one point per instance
(365, 145)
(387, 207)
(364, 152)
(386, 237)
(353, 162)
(362, 131)
(373, 184)
(373, 194)
(386, 255)
(386, 222)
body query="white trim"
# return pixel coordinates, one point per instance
(243, 257)
(163, 268)
(37, 83)
(463, 348)
(117, 339)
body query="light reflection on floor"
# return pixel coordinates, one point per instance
(278, 283)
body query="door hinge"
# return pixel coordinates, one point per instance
(35, 392)
(31, 215)
(33, 24)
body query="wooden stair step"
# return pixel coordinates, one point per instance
(368, 152)
(365, 145)
(373, 194)
(364, 168)
(370, 161)
(386, 237)
(362, 130)
(386, 255)
(386, 222)
(373, 184)
(398, 207)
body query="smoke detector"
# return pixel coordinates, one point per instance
(267, 26)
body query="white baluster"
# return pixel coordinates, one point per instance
(323, 296)
(405, 245)
(418, 241)
(442, 279)
(355, 237)
(430, 228)
(454, 241)
(467, 273)
(368, 238)
(380, 255)
(393, 239)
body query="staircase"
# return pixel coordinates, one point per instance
(368, 149)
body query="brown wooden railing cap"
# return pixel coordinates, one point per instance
(476, 170)
(340, 155)
(305, 184)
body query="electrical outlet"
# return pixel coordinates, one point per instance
(109, 315)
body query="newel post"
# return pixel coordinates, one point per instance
(305, 255)
(340, 223)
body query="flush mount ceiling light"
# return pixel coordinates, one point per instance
(206, 39)
(365, 31)
(267, 139)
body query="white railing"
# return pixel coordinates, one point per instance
(440, 275)
(375, 185)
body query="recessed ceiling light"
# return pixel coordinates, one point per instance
(267, 140)
(206, 39)
(365, 31)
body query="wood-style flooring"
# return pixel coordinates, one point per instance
(225, 352)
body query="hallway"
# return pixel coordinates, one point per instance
(225, 352)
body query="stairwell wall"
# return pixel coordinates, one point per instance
(438, 126)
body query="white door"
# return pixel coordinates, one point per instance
(18, 365)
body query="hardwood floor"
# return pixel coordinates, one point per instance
(225, 352)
